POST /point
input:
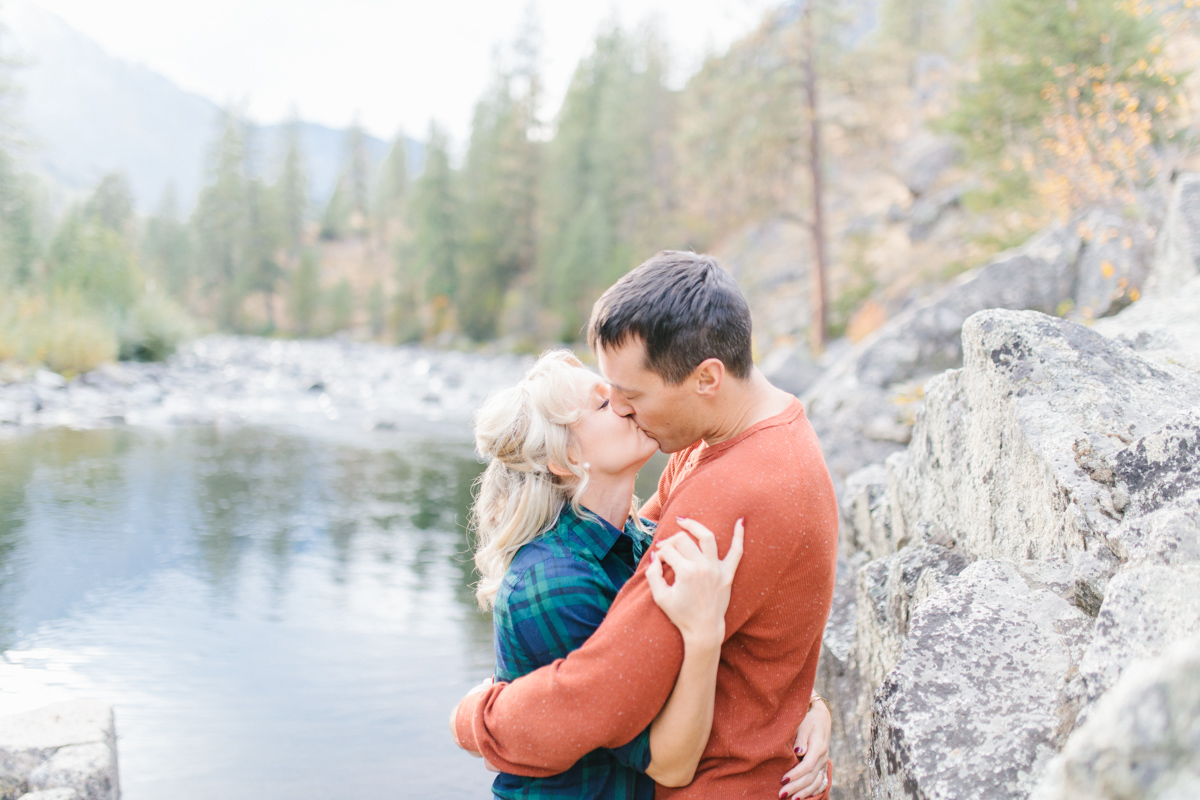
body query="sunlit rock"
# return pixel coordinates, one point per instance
(1014, 455)
(69, 746)
(1141, 740)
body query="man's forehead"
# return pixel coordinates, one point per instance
(623, 365)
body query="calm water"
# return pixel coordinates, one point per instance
(272, 616)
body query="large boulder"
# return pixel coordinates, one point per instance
(862, 406)
(1014, 456)
(69, 746)
(980, 699)
(1142, 740)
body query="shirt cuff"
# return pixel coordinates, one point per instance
(636, 754)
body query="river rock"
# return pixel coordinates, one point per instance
(1177, 261)
(89, 769)
(979, 700)
(67, 745)
(1146, 609)
(1142, 739)
(1013, 456)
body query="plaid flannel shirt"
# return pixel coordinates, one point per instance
(555, 593)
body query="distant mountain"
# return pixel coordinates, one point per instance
(87, 114)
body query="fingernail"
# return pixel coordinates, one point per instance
(782, 794)
(783, 779)
(799, 751)
(680, 519)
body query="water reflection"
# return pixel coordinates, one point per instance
(272, 615)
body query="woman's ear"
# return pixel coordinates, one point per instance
(559, 470)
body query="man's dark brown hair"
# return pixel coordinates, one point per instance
(685, 308)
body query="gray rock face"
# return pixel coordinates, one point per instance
(52, 794)
(1142, 740)
(1145, 610)
(889, 590)
(979, 700)
(69, 746)
(838, 679)
(1178, 258)
(924, 158)
(1113, 264)
(865, 508)
(1014, 456)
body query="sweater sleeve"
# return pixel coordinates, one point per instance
(610, 689)
(602, 695)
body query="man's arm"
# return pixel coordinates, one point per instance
(601, 695)
(609, 690)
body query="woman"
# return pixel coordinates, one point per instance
(558, 535)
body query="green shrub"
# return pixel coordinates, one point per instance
(152, 329)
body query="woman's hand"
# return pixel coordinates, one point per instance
(697, 600)
(810, 778)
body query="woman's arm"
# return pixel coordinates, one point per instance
(696, 603)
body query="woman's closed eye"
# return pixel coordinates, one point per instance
(603, 405)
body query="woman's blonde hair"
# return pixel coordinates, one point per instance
(521, 431)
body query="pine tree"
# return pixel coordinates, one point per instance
(435, 219)
(500, 187)
(220, 222)
(608, 177)
(291, 190)
(392, 192)
(166, 248)
(304, 301)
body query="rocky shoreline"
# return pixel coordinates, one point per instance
(320, 384)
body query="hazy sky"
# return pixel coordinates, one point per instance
(395, 64)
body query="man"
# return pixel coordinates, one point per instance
(673, 341)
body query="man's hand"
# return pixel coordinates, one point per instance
(483, 687)
(809, 778)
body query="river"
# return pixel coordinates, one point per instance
(272, 613)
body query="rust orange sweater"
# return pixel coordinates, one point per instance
(609, 690)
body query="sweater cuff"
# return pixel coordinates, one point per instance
(464, 721)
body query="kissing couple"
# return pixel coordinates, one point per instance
(668, 651)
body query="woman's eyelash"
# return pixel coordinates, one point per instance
(603, 405)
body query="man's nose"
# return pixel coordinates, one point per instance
(619, 404)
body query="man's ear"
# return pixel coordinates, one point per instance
(709, 375)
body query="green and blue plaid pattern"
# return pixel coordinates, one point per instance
(555, 593)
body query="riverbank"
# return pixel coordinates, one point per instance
(315, 384)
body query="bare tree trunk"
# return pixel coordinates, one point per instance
(817, 324)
